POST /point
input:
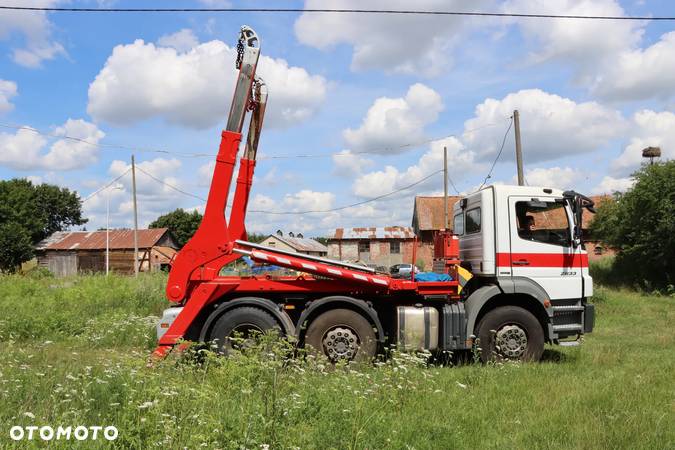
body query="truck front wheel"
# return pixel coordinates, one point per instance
(510, 333)
(342, 335)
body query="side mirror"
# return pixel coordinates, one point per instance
(576, 242)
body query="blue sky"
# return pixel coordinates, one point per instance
(367, 93)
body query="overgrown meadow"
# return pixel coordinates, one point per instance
(75, 352)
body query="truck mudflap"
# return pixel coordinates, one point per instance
(589, 317)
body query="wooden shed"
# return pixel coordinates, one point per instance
(70, 252)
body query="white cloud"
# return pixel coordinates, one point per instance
(154, 197)
(308, 200)
(390, 121)
(304, 200)
(24, 150)
(640, 73)
(193, 88)
(379, 182)
(36, 30)
(609, 185)
(348, 164)
(556, 177)
(584, 42)
(67, 154)
(160, 168)
(411, 44)
(551, 126)
(8, 90)
(650, 129)
(182, 40)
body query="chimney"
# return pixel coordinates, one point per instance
(280, 233)
(300, 235)
(290, 234)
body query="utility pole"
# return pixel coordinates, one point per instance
(519, 150)
(133, 187)
(107, 234)
(107, 228)
(445, 188)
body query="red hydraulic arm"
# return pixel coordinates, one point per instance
(210, 248)
(197, 260)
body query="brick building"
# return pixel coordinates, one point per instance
(428, 215)
(381, 246)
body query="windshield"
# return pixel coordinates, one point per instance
(543, 221)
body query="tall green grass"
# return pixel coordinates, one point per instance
(60, 368)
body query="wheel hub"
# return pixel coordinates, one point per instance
(511, 341)
(340, 343)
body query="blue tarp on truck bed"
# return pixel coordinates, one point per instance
(427, 277)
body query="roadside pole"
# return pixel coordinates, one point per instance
(133, 187)
(519, 151)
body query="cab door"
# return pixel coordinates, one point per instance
(542, 247)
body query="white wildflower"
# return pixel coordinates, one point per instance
(147, 405)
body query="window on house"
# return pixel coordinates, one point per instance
(364, 247)
(395, 247)
(473, 220)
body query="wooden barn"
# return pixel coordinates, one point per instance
(70, 252)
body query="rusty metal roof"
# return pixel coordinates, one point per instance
(373, 233)
(95, 240)
(429, 212)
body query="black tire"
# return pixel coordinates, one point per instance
(506, 324)
(342, 334)
(246, 321)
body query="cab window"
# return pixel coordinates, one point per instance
(543, 221)
(473, 221)
(458, 226)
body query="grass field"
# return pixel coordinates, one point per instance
(74, 352)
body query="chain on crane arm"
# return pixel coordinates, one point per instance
(246, 36)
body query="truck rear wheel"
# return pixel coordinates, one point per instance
(238, 328)
(342, 335)
(510, 333)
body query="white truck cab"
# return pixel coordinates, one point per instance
(524, 247)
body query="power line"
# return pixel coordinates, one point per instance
(378, 151)
(105, 146)
(337, 11)
(171, 186)
(498, 155)
(340, 208)
(263, 157)
(93, 194)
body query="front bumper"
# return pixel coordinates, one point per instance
(168, 316)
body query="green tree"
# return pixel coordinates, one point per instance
(640, 224)
(182, 224)
(15, 246)
(29, 213)
(256, 238)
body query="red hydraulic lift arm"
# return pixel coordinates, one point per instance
(247, 164)
(213, 238)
